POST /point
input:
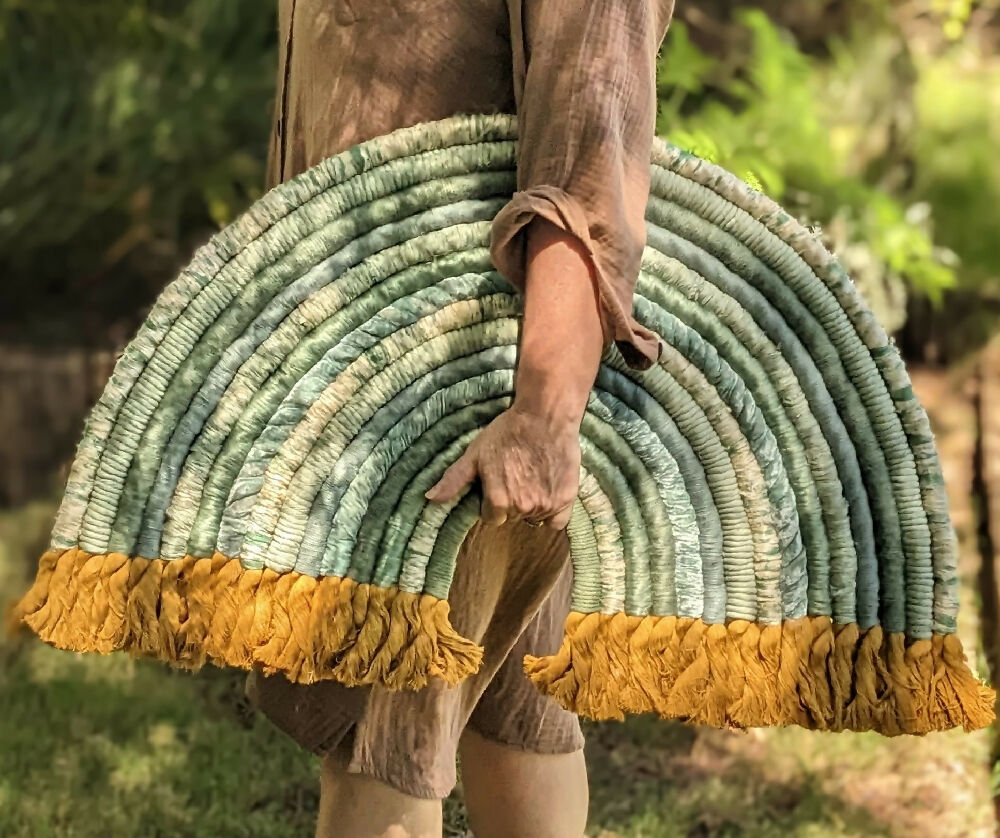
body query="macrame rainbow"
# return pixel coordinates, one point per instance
(761, 536)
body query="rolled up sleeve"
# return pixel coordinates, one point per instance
(585, 87)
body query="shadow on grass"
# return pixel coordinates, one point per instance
(659, 779)
(96, 746)
(108, 746)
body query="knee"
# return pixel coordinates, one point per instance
(487, 756)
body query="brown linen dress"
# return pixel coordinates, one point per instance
(580, 74)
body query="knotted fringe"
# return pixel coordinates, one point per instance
(193, 610)
(808, 672)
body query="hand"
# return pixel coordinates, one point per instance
(529, 465)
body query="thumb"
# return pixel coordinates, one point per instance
(458, 475)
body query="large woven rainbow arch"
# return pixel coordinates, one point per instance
(761, 536)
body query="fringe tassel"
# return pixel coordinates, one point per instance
(808, 672)
(194, 610)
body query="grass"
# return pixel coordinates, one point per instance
(105, 746)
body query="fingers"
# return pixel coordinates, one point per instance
(494, 510)
(500, 506)
(455, 478)
(540, 513)
(496, 507)
(516, 503)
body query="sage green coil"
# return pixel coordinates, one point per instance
(322, 360)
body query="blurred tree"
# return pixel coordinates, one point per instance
(820, 136)
(130, 129)
(877, 122)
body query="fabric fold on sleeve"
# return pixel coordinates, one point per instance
(585, 89)
(640, 347)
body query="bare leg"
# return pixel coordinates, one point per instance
(513, 792)
(356, 806)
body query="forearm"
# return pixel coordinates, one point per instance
(562, 338)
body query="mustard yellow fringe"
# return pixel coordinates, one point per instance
(808, 672)
(194, 610)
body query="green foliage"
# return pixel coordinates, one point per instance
(820, 135)
(955, 14)
(957, 144)
(95, 746)
(116, 747)
(761, 123)
(128, 128)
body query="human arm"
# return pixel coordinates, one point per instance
(529, 456)
(570, 240)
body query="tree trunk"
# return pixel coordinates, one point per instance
(986, 496)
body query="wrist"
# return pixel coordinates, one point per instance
(553, 395)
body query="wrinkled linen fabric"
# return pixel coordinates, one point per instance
(580, 74)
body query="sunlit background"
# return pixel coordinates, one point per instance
(130, 130)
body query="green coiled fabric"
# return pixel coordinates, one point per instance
(322, 361)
